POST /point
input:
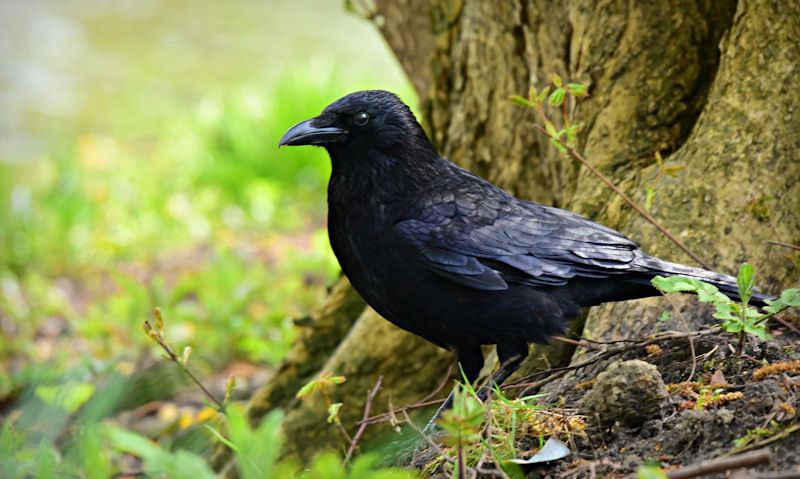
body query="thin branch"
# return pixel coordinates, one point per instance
(383, 417)
(559, 372)
(788, 325)
(647, 216)
(785, 245)
(363, 425)
(574, 153)
(555, 373)
(177, 360)
(581, 343)
(427, 438)
(424, 402)
(722, 464)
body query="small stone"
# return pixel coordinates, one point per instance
(627, 392)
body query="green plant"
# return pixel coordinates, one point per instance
(737, 318)
(462, 423)
(650, 470)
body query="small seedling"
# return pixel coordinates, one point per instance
(737, 318)
(323, 383)
(156, 333)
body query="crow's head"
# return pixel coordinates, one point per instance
(367, 120)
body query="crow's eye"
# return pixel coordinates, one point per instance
(361, 118)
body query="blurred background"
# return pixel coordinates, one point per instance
(139, 168)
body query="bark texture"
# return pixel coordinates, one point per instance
(711, 85)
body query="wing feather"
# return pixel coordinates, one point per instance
(486, 239)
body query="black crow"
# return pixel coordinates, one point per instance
(452, 258)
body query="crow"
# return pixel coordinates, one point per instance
(450, 257)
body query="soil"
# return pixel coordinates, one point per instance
(670, 428)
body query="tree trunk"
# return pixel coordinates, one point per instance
(713, 86)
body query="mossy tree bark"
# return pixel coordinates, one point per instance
(710, 85)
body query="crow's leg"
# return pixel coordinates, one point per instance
(511, 356)
(470, 358)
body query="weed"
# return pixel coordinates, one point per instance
(738, 318)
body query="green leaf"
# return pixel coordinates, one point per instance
(732, 325)
(557, 97)
(158, 462)
(577, 89)
(333, 413)
(558, 145)
(650, 471)
(650, 194)
(724, 311)
(551, 130)
(337, 379)
(556, 80)
(791, 297)
(221, 438)
(664, 316)
(46, 461)
(520, 101)
(258, 447)
(69, 396)
(571, 133)
(708, 293)
(758, 330)
(675, 284)
(94, 458)
(745, 282)
(543, 94)
(307, 389)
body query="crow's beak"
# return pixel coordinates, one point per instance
(306, 133)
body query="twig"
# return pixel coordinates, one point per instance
(558, 372)
(581, 343)
(574, 153)
(722, 464)
(338, 423)
(363, 425)
(785, 245)
(156, 336)
(382, 417)
(788, 325)
(441, 385)
(430, 441)
(424, 402)
(647, 216)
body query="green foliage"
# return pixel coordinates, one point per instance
(558, 96)
(257, 449)
(474, 429)
(329, 466)
(736, 318)
(463, 421)
(758, 434)
(320, 383)
(650, 470)
(179, 464)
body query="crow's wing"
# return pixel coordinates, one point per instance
(485, 241)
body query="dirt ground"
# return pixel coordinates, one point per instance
(641, 413)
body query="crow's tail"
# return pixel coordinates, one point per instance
(726, 284)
